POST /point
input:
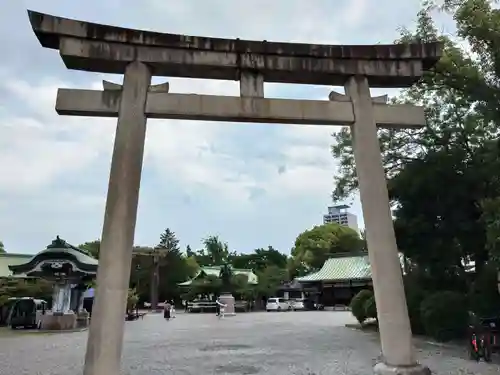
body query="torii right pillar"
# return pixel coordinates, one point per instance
(392, 311)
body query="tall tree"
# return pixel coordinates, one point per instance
(2, 248)
(270, 279)
(439, 227)
(202, 258)
(460, 95)
(442, 177)
(314, 246)
(217, 250)
(161, 254)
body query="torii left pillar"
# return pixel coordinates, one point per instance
(105, 342)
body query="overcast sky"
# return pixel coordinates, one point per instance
(254, 185)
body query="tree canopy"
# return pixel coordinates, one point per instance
(259, 259)
(460, 95)
(92, 247)
(314, 246)
(215, 252)
(2, 248)
(443, 179)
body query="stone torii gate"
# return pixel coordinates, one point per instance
(139, 55)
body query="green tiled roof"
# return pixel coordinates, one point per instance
(10, 259)
(215, 271)
(58, 249)
(341, 268)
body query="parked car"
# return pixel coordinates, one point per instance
(27, 312)
(278, 304)
(298, 304)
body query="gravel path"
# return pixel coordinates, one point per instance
(302, 343)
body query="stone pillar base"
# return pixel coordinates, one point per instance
(383, 369)
(228, 300)
(82, 320)
(63, 322)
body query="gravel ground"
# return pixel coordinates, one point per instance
(302, 343)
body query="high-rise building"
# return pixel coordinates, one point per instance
(338, 214)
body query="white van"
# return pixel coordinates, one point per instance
(278, 304)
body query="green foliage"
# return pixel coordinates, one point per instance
(166, 266)
(92, 247)
(132, 300)
(484, 299)
(26, 288)
(2, 248)
(370, 308)
(296, 267)
(415, 294)
(438, 228)
(157, 271)
(270, 279)
(439, 236)
(168, 241)
(216, 250)
(358, 304)
(445, 315)
(241, 289)
(259, 259)
(313, 247)
(204, 286)
(192, 266)
(458, 84)
(490, 208)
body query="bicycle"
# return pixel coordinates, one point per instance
(484, 338)
(480, 347)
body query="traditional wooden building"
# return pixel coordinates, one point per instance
(70, 269)
(293, 290)
(215, 271)
(341, 278)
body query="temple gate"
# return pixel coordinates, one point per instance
(139, 55)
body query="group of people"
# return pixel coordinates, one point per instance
(168, 310)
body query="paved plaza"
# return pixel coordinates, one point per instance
(302, 343)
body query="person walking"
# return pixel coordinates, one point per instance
(217, 307)
(172, 309)
(167, 310)
(220, 308)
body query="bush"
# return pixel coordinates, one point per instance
(444, 315)
(414, 297)
(358, 305)
(370, 308)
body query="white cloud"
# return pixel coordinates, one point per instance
(43, 146)
(273, 179)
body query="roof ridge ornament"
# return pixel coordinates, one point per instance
(57, 243)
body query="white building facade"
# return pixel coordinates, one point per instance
(339, 215)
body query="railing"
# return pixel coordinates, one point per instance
(202, 306)
(209, 306)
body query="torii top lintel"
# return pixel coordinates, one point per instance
(108, 49)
